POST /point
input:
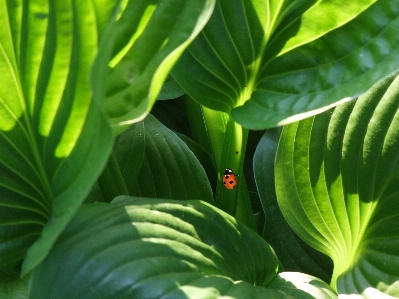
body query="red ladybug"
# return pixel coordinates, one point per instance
(229, 178)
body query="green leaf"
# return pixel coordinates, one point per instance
(9, 273)
(198, 126)
(170, 90)
(173, 114)
(294, 254)
(318, 75)
(17, 289)
(227, 142)
(150, 37)
(269, 64)
(204, 158)
(149, 248)
(157, 163)
(302, 286)
(299, 29)
(104, 10)
(336, 182)
(50, 155)
(110, 182)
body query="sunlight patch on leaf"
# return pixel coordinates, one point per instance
(146, 17)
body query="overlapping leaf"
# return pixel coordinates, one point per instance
(54, 140)
(268, 63)
(149, 248)
(17, 289)
(294, 254)
(150, 37)
(302, 286)
(336, 178)
(155, 162)
(170, 90)
(227, 141)
(152, 248)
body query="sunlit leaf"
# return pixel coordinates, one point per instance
(49, 153)
(294, 254)
(269, 63)
(336, 180)
(302, 286)
(150, 37)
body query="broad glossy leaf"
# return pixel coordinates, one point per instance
(150, 37)
(303, 21)
(336, 180)
(157, 163)
(269, 63)
(294, 254)
(341, 64)
(54, 140)
(151, 248)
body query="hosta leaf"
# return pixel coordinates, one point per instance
(268, 63)
(149, 248)
(157, 163)
(302, 286)
(150, 37)
(294, 254)
(173, 114)
(343, 63)
(204, 158)
(18, 289)
(336, 180)
(304, 21)
(8, 273)
(170, 90)
(227, 141)
(129, 153)
(54, 140)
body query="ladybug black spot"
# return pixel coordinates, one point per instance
(229, 178)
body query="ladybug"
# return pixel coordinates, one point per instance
(229, 178)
